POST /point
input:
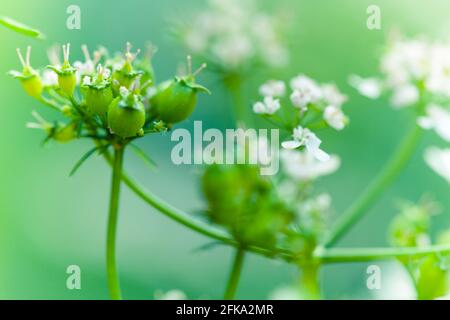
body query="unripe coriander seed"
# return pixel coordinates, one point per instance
(29, 78)
(126, 115)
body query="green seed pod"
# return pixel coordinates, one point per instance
(33, 86)
(98, 100)
(126, 116)
(175, 100)
(125, 76)
(67, 79)
(65, 133)
(29, 78)
(67, 82)
(98, 94)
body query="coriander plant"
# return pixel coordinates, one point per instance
(113, 100)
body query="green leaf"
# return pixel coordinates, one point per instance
(86, 156)
(21, 28)
(141, 154)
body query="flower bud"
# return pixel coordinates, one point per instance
(126, 115)
(67, 79)
(29, 78)
(175, 100)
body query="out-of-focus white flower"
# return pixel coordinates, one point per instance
(285, 293)
(170, 295)
(335, 117)
(368, 87)
(273, 88)
(408, 64)
(405, 96)
(307, 86)
(233, 50)
(439, 161)
(305, 137)
(406, 61)
(300, 100)
(269, 106)
(232, 33)
(49, 78)
(303, 166)
(436, 118)
(332, 95)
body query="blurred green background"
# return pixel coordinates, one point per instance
(49, 221)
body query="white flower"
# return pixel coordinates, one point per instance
(368, 87)
(170, 295)
(332, 95)
(406, 61)
(439, 161)
(269, 106)
(233, 50)
(303, 166)
(436, 118)
(86, 80)
(334, 117)
(300, 100)
(286, 293)
(273, 88)
(305, 137)
(307, 87)
(49, 78)
(232, 33)
(405, 96)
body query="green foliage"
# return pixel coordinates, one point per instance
(21, 28)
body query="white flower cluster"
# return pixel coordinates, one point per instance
(408, 66)
(232, 32)
(411, 68)
(305, 93)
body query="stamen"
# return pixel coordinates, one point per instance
(28, 55)
(202, 67)
(38, 117)
(66, 51)
(85, 50)
(189, 64)
(19, 54)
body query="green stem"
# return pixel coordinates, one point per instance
(309, 281)
(111, 267)
(383, 180)
(340, 255)
(235, 274)
(324, 255)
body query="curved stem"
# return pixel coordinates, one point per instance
(383, 180)
(339, 255)
(235, 274)
(111, 267)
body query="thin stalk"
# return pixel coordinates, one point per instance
(378, 186)
(111, 266)
(235, 274)
(309, 281)
(343, 255)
